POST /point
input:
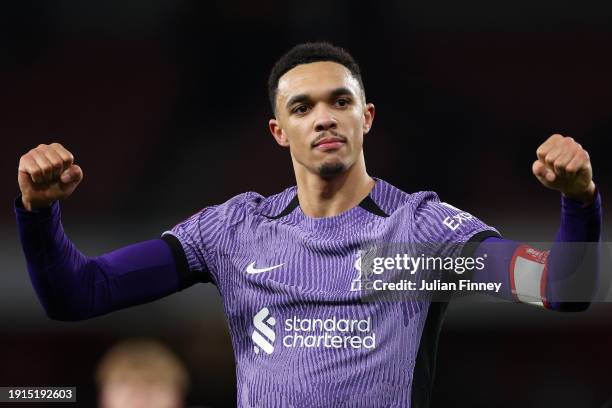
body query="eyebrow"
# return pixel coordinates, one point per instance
(306, 98)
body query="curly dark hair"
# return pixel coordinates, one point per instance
(306, 53)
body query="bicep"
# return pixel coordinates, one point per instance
(521, 270)
(132, 275)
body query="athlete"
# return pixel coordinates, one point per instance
(286, 265)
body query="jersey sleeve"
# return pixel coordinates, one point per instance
(454, 232)
(564, 278)
(195, 241)
(73, 286)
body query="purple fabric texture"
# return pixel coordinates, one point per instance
(581, 228)
(72, 286)
(301, 334)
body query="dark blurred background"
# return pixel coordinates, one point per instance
(164, 105)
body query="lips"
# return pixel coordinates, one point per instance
(329, 143)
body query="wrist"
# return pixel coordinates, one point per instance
(30, 205)
(586, 197)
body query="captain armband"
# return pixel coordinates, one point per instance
(528, 270)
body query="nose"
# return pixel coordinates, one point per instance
(325, 121)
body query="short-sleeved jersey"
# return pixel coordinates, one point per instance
(301, 334)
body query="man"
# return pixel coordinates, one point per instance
(285, 265)
(141, 373)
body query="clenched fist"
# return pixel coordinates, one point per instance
(565, 166)
(47, 173)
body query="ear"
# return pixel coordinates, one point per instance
(368, 117)
(278, 132)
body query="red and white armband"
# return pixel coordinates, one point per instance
(528, 271)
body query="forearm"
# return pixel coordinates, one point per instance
(72, 286)
(528, 274)
(576, 249)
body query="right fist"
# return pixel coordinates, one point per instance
(47, 173)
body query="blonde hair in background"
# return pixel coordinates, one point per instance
(143, 360)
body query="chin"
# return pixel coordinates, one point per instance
(328, 170)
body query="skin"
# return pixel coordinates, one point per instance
(563, 165)
(47, 173)
(333, 105)
(137, 394)
(315, 102)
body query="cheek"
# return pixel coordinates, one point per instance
(298, 138)
(298, 132)
(354, 126)
(356, 118)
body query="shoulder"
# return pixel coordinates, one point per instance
(248, 204)
(391, 199)
(432, 219)
(272, 206)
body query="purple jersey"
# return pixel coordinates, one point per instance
(301, 334)
(292, 286)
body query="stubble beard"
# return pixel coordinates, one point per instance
(329, 170)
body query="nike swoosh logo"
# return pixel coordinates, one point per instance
(251, 268)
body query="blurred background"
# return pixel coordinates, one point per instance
(164, 105)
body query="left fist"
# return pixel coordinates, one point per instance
(565, 166)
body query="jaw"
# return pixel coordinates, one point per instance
(326, 164)
(322, 164)
(330, 169)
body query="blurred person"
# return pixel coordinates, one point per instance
(288, 266)
(141, 373)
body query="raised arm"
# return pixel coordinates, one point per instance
(70, 285)
(564, 278)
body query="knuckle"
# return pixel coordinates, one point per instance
(62, 151)
(69, 157)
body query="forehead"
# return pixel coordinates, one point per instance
(314, 78)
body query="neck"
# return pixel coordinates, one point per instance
(326, 197)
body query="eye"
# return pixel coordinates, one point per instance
(300, 109)
(342, 102)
